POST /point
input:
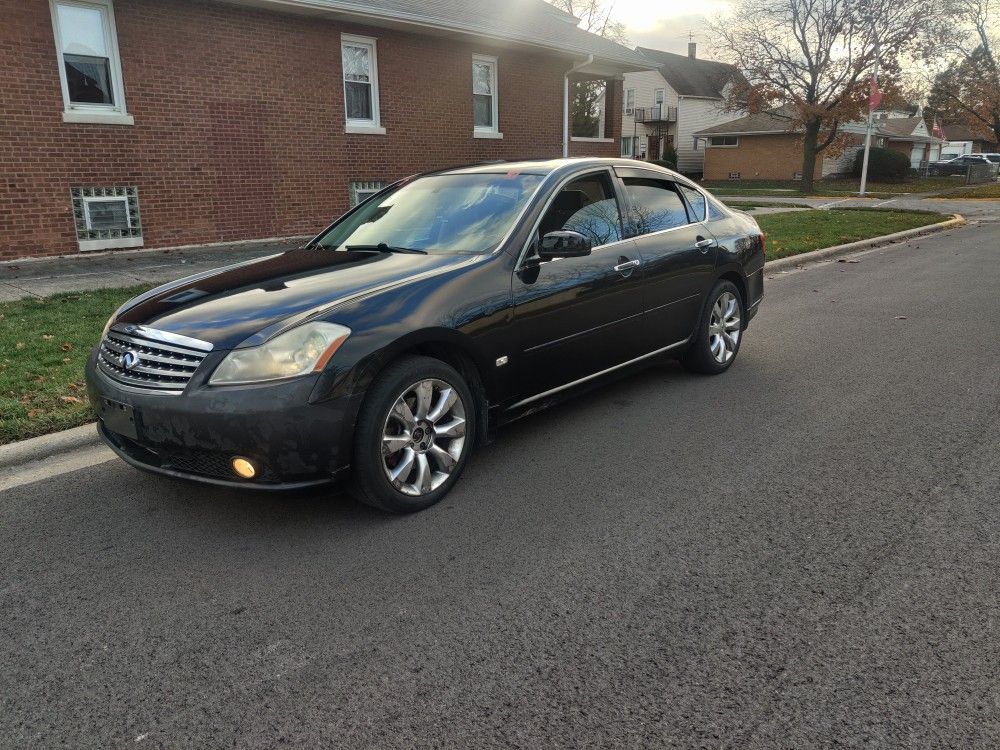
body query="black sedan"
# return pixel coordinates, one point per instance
(416, 324)
(959, 165)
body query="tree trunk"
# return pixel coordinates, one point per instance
(809, 155)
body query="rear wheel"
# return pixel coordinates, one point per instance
(717, 338)
(414, 435)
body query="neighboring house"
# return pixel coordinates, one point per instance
(155, 123)
(961, 140)
(667, 105)
(768, 146)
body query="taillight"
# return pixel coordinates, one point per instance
(763, 244)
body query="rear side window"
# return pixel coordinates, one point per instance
(696, 201)
(656, 205)
(587, 206)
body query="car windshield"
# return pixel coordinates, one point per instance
(464, 214)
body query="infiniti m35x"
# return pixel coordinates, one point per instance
(433, 312)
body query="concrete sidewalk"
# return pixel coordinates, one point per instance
(40, 277)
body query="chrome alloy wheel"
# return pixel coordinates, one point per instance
(724, 327)
(423, 437)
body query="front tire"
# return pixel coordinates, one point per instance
(414, 435)
(720, 331)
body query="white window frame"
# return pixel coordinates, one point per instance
(723, 145)
(629, 110)
(480, 131)
(104, 114)
(658, 95)
(353, 125)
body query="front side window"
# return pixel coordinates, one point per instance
(460, 214)
(587, 206)
(360, 80)
(484, 94)
(90, 71)
(655, 205)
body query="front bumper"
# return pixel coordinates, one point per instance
(195, 435)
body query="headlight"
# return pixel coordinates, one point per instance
(296, 352)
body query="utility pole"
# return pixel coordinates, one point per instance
(868, 131)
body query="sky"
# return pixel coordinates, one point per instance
(665, 26)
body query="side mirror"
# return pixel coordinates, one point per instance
(564, 244)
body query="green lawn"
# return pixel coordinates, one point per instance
(989, 190)
(801, 231)
(763, 204)
(44, 345)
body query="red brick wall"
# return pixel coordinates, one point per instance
(239, 121)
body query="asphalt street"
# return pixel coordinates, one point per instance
(804, 552)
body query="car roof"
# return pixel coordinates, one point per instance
(549, 166)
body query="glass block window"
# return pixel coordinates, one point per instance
(363, 190)
(106, 213)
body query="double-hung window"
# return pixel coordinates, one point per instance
(485, 101)
(89, 68)
(629, 101)
(360, 63)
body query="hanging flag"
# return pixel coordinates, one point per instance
(938, 131)
(874, 95)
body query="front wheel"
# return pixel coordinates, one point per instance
(717, 339)
(414, 435)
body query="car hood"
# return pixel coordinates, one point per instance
(230, 305)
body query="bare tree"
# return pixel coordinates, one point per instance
(596, 16)
(967, 36)
(815, 57)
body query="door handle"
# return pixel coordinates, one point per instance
(704, 244)
(626, 266)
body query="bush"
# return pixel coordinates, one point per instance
(884, 165)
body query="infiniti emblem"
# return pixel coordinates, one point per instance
(129, 360)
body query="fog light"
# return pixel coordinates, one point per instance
(244, 468)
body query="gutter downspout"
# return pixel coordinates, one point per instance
(574, 69)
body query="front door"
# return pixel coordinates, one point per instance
(679, 252)
(574, 317)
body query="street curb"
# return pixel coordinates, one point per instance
(46, 446)
(793, 261)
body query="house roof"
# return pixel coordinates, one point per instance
(689, 76)
(964, 133)
(899, 125)
(531, 22)
(781, 120)
(757, 123)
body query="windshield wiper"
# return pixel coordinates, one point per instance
(384, 248)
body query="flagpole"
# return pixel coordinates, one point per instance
(868, 130)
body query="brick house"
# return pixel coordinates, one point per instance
(666, 105)
(159, 123)
(768, 146)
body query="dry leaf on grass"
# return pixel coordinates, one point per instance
(70, 400)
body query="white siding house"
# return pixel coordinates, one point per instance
(668, 105)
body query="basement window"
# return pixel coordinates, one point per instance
(363, 190)
(107, 218)
(734, 175)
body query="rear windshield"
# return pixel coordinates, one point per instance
(449, 214)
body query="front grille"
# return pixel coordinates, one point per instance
(156, 364)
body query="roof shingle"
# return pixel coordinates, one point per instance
(689, 76)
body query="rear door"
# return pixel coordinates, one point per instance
(577, 316)
(667, 221)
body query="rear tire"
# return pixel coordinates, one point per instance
(414, 435)
(719, 333)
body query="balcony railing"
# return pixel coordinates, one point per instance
(659, 113)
